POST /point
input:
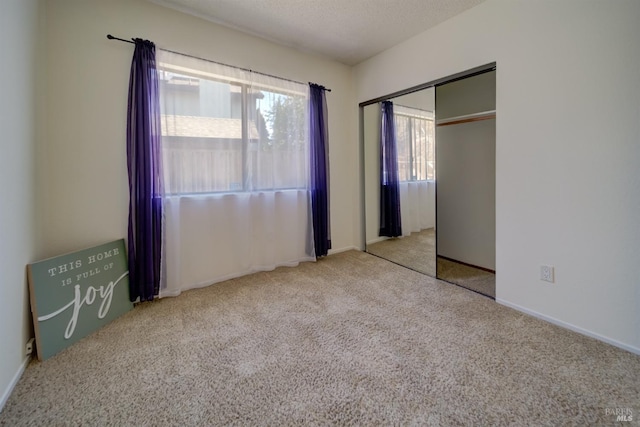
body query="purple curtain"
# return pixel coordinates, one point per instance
(319, 147)
(390, 224)
(145, 177)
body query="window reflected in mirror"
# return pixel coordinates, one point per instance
(414, 121)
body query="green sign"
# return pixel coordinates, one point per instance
(73, 295)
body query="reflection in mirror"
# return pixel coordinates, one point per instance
(413, 244)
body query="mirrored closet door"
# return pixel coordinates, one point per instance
(410, 240)
(466, 180)
(429, 178)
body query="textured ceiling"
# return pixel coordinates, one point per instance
(348, 31)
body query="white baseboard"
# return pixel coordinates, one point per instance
(14, 381)
(629, 348)
(345, 249)
(377, 240)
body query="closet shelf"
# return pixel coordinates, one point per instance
(483, 115)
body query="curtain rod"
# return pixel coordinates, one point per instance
(110, 37)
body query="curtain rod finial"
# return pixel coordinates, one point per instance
(110, 37)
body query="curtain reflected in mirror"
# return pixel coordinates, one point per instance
(406, 166)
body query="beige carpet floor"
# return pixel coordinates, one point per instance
(416, 251)
(349, 340)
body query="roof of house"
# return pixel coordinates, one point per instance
(206, 127)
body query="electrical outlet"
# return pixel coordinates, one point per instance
(29, 347)
(546, 273)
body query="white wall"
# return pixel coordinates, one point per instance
(466, 165)
(567, 177)
(424, 99)
(470, 95)
(18, 46)
(85, 181)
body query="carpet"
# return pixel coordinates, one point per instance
(416, 251)
(349, 340)
(467, 276)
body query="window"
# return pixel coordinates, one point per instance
(415, 139)
(229, 130)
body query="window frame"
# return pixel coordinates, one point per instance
(412, 114)
(245, 119)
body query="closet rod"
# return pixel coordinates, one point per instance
(110, 37)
